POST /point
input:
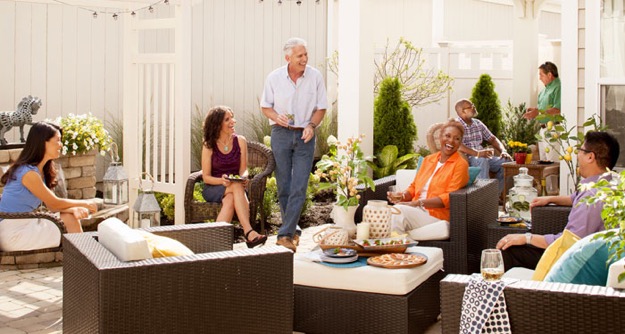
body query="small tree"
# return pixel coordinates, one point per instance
(486, 101)
(420, 85)
(393, 123)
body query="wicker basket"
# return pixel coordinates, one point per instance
(331, 237)
(379, 230)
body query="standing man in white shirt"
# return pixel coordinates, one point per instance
(295, 101)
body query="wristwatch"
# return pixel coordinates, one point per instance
(528, 238)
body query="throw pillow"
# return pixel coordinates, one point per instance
(584, 263)
(553, 253)
(473, 173)
(163, 246)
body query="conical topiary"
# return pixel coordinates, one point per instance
(487, 103)
(393, 123)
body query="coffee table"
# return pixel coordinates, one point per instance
(367, 299)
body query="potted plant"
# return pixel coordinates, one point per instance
(611, 192)
(342, 169)
(83, 133)
(519, 150)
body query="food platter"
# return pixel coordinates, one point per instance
(545, 162)
(508, 220)
(386, 245)
(236, 178)
(398, 260)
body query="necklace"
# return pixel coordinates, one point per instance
(226, 148)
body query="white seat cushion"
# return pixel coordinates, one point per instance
(125, 243)
(519, 273)
(368, 278)
(404, 177)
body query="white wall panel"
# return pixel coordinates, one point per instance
(7, 55)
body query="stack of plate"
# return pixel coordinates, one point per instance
(342, 255)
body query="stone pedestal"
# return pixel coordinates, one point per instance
(80, 174)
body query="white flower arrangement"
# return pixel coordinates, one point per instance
(83, 133)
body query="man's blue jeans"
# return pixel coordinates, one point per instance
(487, 165)
(294, 160)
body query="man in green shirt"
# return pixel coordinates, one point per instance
(549, 102)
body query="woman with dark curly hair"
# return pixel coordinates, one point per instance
(27, 184)
(224, 153)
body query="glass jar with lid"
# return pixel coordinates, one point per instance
(521, 195)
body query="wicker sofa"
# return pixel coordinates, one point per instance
(259, 156)
(217, 290)
(471, 209)
(543, 307)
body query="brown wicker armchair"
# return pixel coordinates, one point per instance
(258, 156)
(36, 257)
(471, 209)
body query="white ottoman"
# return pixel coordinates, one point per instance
(367, 299)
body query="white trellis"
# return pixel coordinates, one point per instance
(157, 102)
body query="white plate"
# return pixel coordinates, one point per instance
(339, 259)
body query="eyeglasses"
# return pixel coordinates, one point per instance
(585, 150)
(469, 107)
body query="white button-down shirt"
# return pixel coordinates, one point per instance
(300, 99)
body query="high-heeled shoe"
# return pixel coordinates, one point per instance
(260, 239)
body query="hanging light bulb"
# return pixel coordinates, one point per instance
(115, 16)
(133, 14)
(166, 2)
(299, 2)
(318, 1)
(95, 15)
(151, 9)
(279, 2)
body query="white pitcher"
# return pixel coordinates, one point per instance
(378, 214)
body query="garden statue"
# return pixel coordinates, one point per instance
(23, 115)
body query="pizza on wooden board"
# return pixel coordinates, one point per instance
(397, 260)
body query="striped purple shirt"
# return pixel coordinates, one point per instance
(475, 134)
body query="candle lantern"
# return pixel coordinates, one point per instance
(147, 212)
(115, 181)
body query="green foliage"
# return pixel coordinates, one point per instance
(517, 128)
(327, 128)
(197, 138)
(256, 126)
(83, 133)
(566, 141)
(270, 197)
(167, 203)
(393, 123)
(612, 194)
(115, 127)
(486, 101)
(387, 161)
(345, 167)
(419, 86)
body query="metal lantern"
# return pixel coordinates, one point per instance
(115, 181)
(147, 212)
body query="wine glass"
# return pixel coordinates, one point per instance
(395, 194)
(492, 265)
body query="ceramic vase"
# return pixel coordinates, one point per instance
(345, 218)
(519, 157)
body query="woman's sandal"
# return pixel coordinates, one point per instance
(260, 239)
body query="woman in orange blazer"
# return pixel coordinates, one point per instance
(425, 204)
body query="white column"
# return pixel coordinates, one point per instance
(355, 46)
(525, 54)
(183, 103)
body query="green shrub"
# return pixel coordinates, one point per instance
(197, 138)
(167, 203)
(517, 128)
(487, 103)
(393, 123)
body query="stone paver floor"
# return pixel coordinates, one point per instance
(31, 301)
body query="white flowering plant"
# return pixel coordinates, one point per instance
(83, 133)
(344, 167)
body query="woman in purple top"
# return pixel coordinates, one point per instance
(223, 154)
(27, 184)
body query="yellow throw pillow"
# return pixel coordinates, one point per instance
(164, 246)
(553, 253)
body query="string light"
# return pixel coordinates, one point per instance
(299, 2)
(279, 2)
(115, 14)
